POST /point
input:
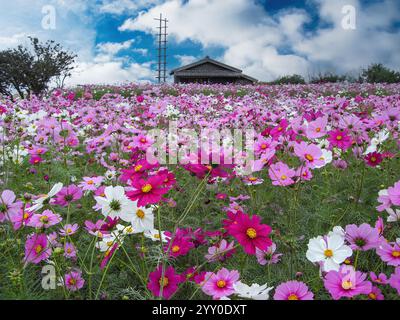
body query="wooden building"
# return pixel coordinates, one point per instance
(210, 71)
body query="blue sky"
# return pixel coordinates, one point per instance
(114, 39)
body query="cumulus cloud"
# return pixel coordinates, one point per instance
(185, 59)
(121, 6)
(112, 48)
(267, 46)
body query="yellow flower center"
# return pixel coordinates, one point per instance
(263, 146)
(339, 138)
(318, 129)
(140, 213)
(38, 249)
(347, 285)
(156, 236)
(143, 140)
(44, 219)
(69, 230)
(90, 182)
(252, 179)
(373, 159)
(372, 296)
(72, 281)
(396, 254)
(293, 297)
(309, 157)
(328, 253)
(251, 233)
(26, 216)
(163, 282)
(209, 167)
(138, 168)
(110, 243)
(221, 283)
(175, 249)
(283, 177)
(147, 188)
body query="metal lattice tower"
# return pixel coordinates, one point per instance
(162, 50)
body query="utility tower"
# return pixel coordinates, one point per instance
(162, 49)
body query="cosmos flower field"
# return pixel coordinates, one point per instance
(313, 215)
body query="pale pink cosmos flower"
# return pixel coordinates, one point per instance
(8, 205)
(293, 290)
(281, 174)
(317, 128)
(268, 256)
(73, 280)
(90, 183)
(220, 284)
(46, 219)
(362, 237)
(310, 154)
(221, 251)
(389, 253)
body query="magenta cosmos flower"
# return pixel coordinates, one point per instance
(46, 219)
(74, 280)
(169, 282)
(148, 191)
(36, 248)
(67, 195)
(373, 159)
(394, 280)
(340, 139)
(380, 279)
(281, 174)
(250, 233)
(346, 283)
(362, 237)
(389, 253)
(180, 245)
(310, 154)
(293, 290)
(220, 284)
(8, 206)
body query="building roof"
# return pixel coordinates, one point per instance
(228, 71)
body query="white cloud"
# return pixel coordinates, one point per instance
(185, 59)
(112, 48)
(141, 51)
(121, 6)
(267, 46)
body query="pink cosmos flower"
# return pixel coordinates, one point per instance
(67, 195)
(281, 174)
(363, 237)
(139, 170)
(380, 279)
(69, 251)
(293, 290)
(268, 256)
(220, 284)
(20, 219)
(373, 159)
(310, 154)
(169, 282)
(250, 233)
(73, 280)
(142, 142)
(34, 159)
(95, 229)
(69, 230)
(340, 139)
(316, 128)
(389, 253)
(181, 244)
(394, 280)
(379, 226)
(346, 283)
(108, 255)
(36, 248)
(8, 206)
(394, 194)
(375, 294)
(221, 251)
(90, 183)
(46, 219)
(148, 191)
(304, 173)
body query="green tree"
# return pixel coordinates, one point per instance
(30, 70)
(290, 79)
(378, 73)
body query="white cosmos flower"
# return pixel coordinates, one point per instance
(394, 215)
(142, 219)
(108, 242)
(326, 156)
(330, 252)
(338, 230)
(38, 203)
(155, 235)
(115, 203)
(255, 291)
(125, 230)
